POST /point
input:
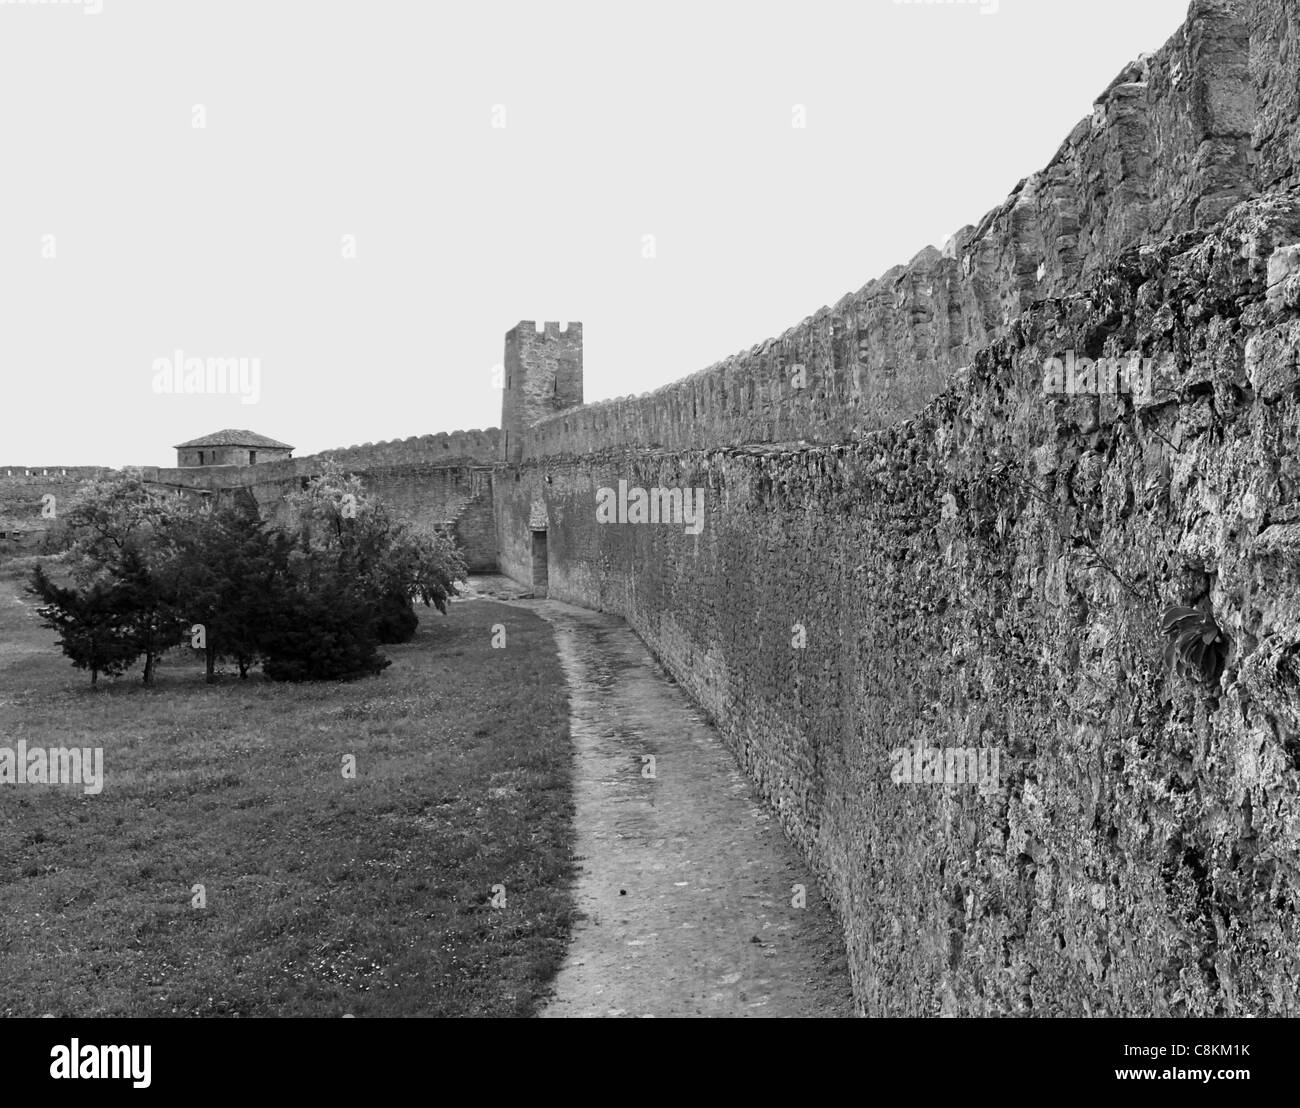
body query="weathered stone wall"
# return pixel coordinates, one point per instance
(1167, 148)
(434, 495)
(22, 489)
(992, 573)
(1274, 63)
(16, 477)
(446, 447)
(423, 483)
(22, 497)
(230, 455)
(428, 493)
(474, 527)
(517, 504)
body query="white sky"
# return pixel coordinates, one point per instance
(374, 118)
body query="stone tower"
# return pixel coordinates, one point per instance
(543, 376)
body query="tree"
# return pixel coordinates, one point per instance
(119, 533)
(110, 516)
(393, 562)
(394, 619)
(313, 601)
(90, 623)
(424, 562)
(319, 632)
(147, 609)
(223, 577)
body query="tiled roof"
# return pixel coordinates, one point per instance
(235, 438)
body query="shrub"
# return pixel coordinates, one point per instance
(321, 635)
(395, 619)
(1197, 648)
(91, 623)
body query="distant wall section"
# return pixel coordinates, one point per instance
(427, 493)
(23, 493)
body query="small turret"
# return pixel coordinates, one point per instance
(543, 376)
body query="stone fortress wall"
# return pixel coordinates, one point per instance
(23, 492)
(430, 479)
(919, 546)
(960, 561)
(990, 574)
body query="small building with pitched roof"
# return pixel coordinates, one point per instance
(231, 448)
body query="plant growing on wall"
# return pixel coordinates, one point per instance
(1197, 647)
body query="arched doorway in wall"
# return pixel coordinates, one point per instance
(539, 563)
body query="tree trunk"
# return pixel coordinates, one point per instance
(211, 652)
(148, 667)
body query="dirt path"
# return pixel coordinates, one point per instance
(685, 879)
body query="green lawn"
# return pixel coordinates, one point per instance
(325, 896)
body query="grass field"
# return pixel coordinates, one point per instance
(324, 895)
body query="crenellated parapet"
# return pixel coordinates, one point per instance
(42, 474)
(1175, 141)
(482, 446)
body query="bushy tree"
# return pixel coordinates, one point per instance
(120, 550)
(393, 562)
(318, 633)
(148, 609)
(224, 577)
(394, 619)
(92, 628)
(109, 517)
(421, 561)
(312, 600)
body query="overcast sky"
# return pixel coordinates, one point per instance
(128, 233)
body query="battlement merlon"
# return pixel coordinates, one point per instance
(551, 329)
(52, 473)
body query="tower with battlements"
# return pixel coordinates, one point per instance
(543, 375)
